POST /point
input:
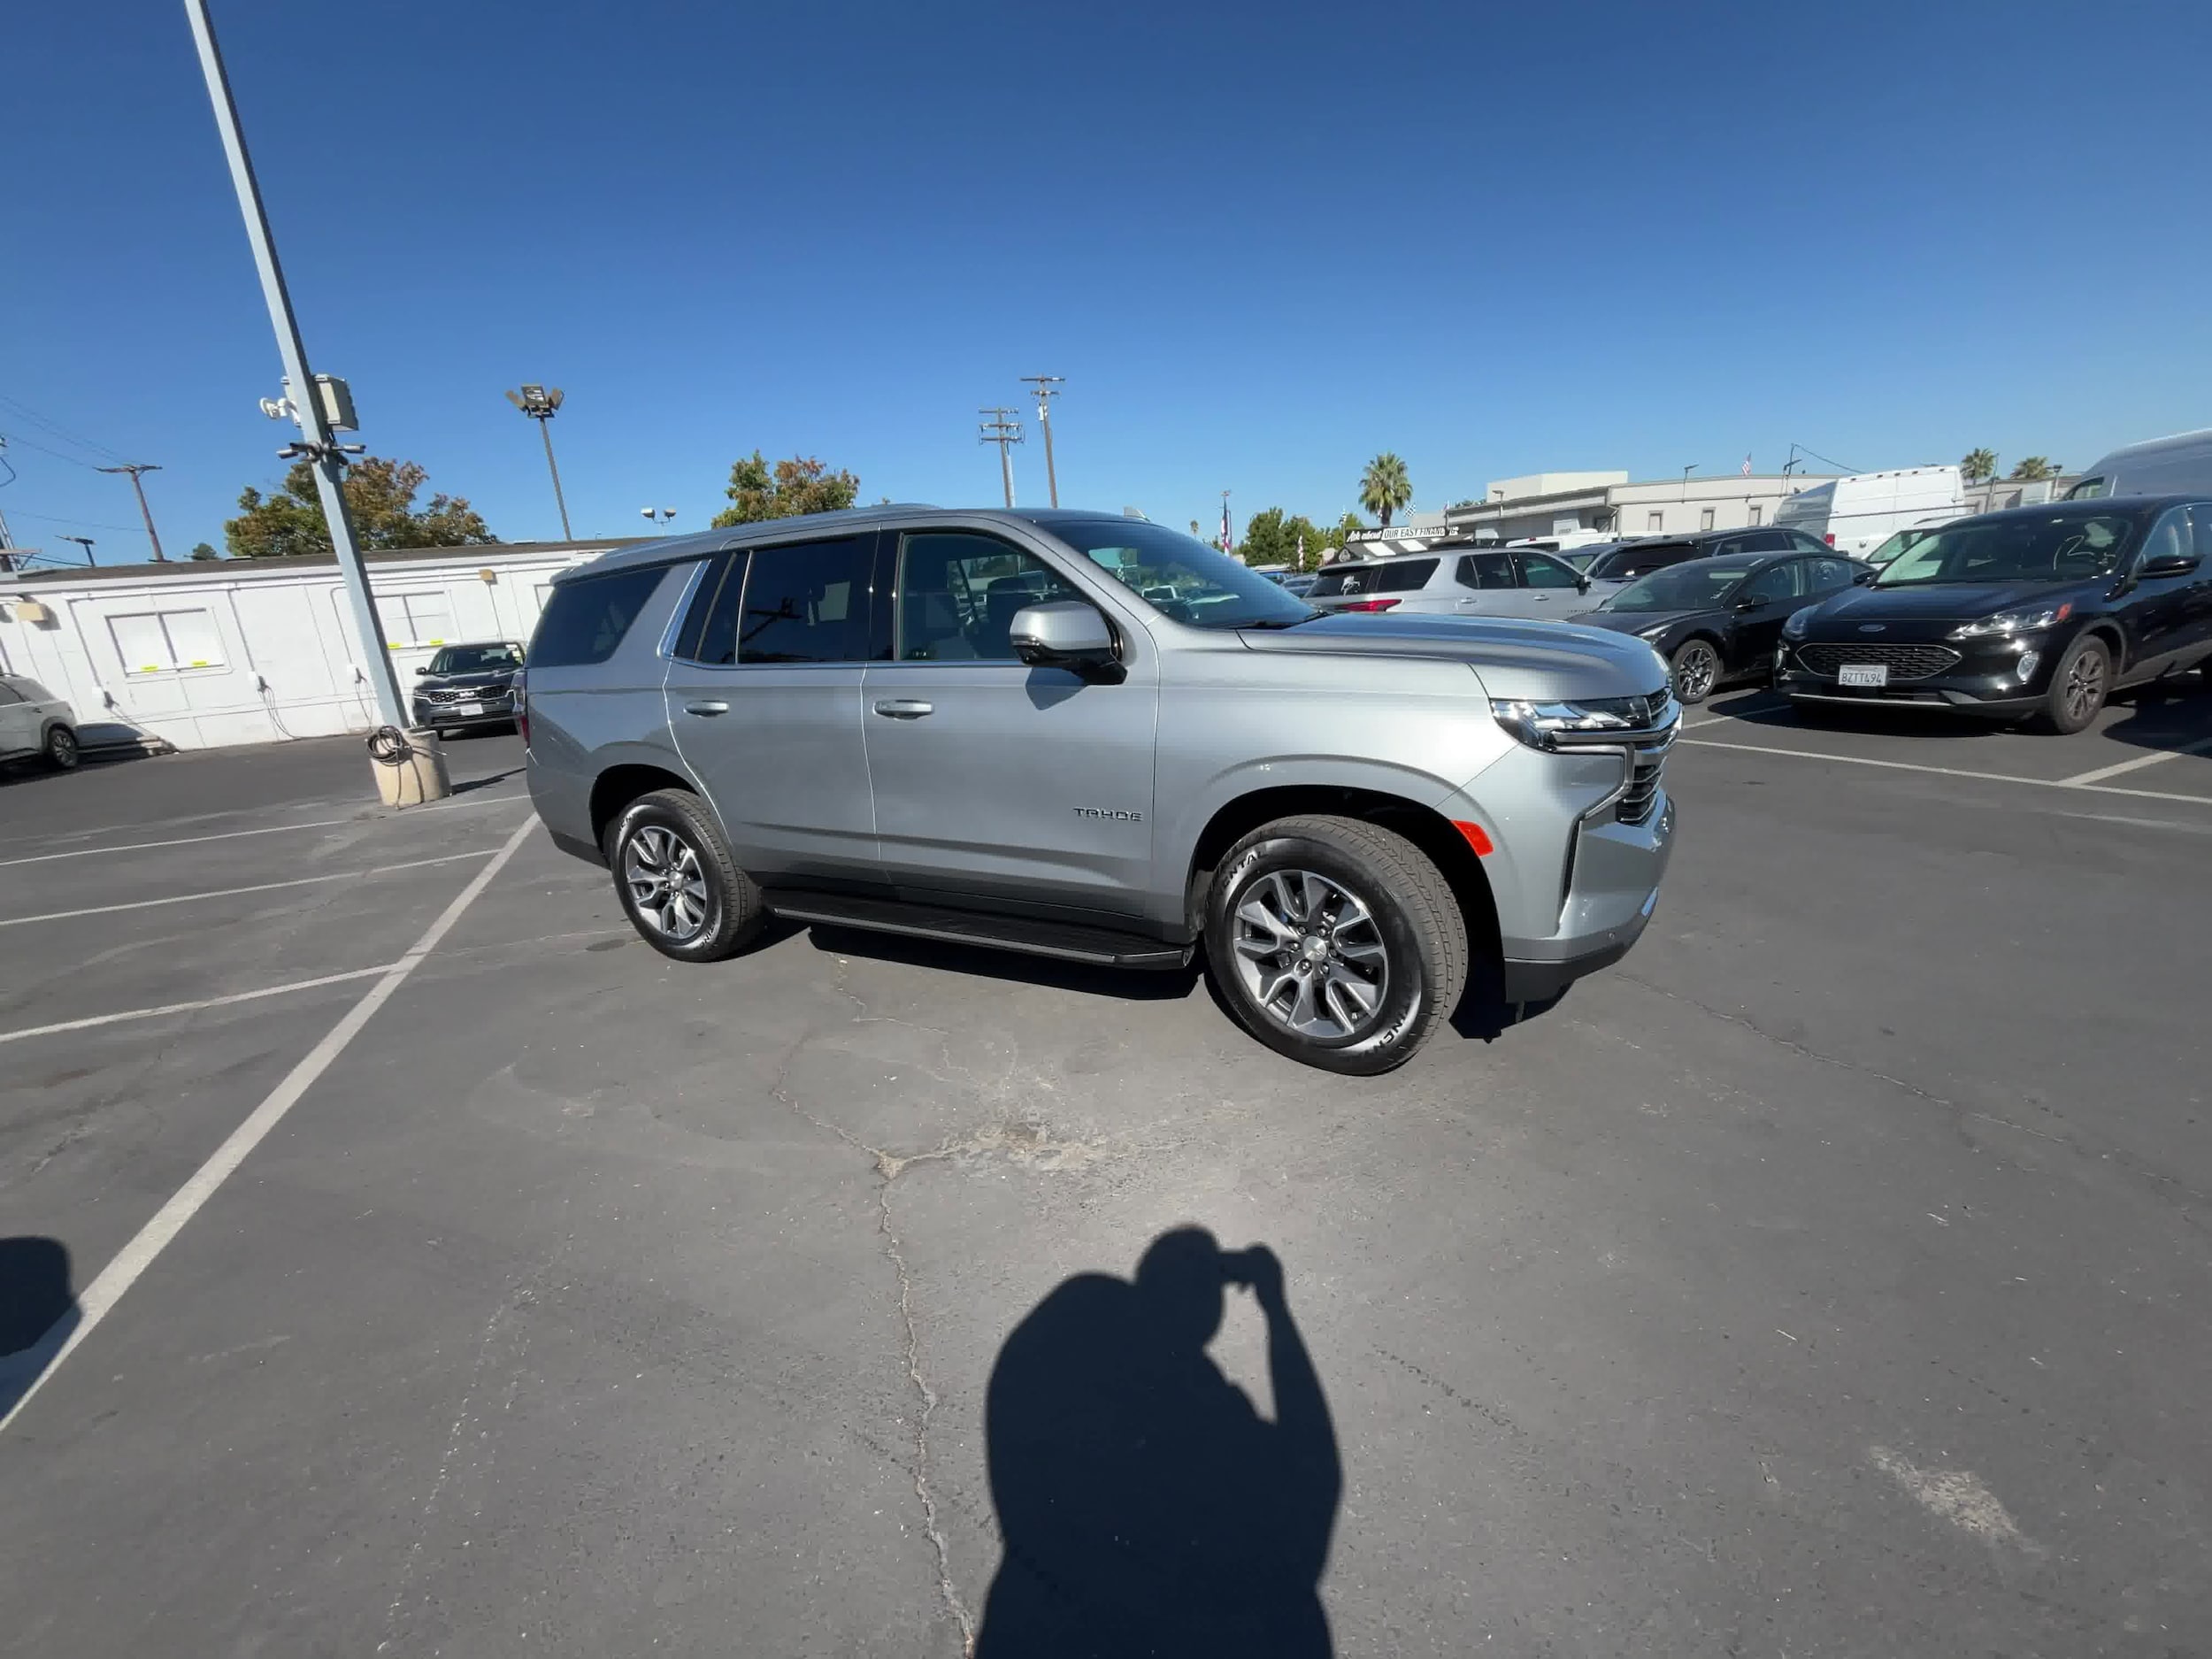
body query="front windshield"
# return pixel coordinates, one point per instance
(476, 659)
(1182, 577)
(1899, 543)
(1699, 585)
(2044, 548)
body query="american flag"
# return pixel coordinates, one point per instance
(1747, 466)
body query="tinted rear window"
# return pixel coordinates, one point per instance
(1403, 576)
(1330, 584)
(807, 602)
(585, 621)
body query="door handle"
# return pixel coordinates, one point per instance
(715, 706)
(902, 708)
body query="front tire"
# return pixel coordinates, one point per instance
(2079, 686)
(678, 884)
(1336, 942)
(61, 750)
(1696, 667)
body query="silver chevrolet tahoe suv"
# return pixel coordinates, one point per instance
(1093, 738)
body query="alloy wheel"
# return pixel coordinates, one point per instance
(1695, 673)
(2085, 685)
(666, 884)
(63, 747)
(1310, 955)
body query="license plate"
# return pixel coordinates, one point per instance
(1863, 674)
(468, 708)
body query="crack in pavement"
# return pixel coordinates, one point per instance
(888, 1167)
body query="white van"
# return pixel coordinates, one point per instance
(1856, 515)
(2180, 464)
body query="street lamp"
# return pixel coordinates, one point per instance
(84, 541)
(658, 516)
(542, 403)
(1686, 479)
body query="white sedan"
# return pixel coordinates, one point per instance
(35, 722)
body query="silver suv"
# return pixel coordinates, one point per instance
(1093, 738)
(1460, 581)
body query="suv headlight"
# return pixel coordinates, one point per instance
(2028, 620)
(1799, 623)
(1538, 724)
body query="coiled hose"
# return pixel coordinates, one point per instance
(388, 746)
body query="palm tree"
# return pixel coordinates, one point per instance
(1978, 466)
(1385, 487)
(2034, 467)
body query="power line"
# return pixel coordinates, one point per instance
(56, 428)
(32, 443)
(90, 524)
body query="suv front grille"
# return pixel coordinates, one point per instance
(466, 694)
(1904, 662)
(1643, 786)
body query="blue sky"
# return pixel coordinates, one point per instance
(1262, 242)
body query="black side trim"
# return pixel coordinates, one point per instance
(1544, 981)
(1067, 940)
(578, 846)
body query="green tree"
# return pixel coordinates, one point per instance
(1978, 466)
(2035, 467)
(202, 552)
(800, 484)
(379, 500)
(1385, 487)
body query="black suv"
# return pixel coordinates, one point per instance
(2034, 610)
(466, 686)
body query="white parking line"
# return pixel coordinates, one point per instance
(44, 1358)
(2140, 761)
(230, 893)
(267, 829)
(193, 1007)
(1947, 771)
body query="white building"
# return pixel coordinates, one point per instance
(203, 655)
(1559, 503)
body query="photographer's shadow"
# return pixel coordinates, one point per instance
(1147, 1508)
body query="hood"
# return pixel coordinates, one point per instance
(494, 676)
(1948, 602)
(1536, 660)
(1637, 621)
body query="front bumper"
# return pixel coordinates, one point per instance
(490, 712)
(1986, 677)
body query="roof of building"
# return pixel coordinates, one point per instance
(185, 569)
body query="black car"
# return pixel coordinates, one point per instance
(1718, 619)
(2034, 610)
(468, 685)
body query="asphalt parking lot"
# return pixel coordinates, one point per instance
(1828, 1277)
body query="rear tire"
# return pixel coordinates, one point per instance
(678, 884)
(61, 750)
(2079, 686)
(1696, 668)
(1336, 942)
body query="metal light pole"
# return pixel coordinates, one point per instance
(134, 468)
(656, 516)
(542, 403)
(1046, 387)
(1003, 431)
(304, 396)
(84, 541)
(1686, 479)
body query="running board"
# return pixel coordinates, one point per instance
(1069, 941)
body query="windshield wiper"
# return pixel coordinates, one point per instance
(1282, 622)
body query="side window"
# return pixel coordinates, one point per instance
(1777, 582)
(2169, 537)
(2202, 514)
(1831, 573)
(960, 594)
(1403, 576)
(1705, 518)
(9, 694)
(1540, 572)
(585, 621)
(806, 603)
(1485, 570)
(709, 632)
(1799, 541)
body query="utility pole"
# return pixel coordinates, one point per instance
(1045, 388)
(542, 403)
(84, 541)
(305, 396)
(134, 468)
(1003, 431)
(1227, 545)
